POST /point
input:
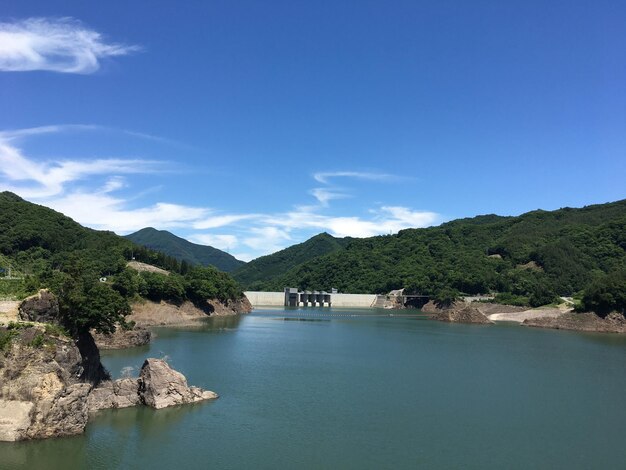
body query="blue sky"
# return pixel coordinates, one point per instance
(252, 126)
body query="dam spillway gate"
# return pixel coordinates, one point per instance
(295, 298)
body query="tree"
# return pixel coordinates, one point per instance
(91, 305)
(541, 295)
(606, 294)
(445, 297)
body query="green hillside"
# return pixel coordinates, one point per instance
(53, 251)
(183, 250)
(261, 271)
(538, 254)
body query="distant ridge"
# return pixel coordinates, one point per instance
(531, 257)
(260, 271)
(183, 250)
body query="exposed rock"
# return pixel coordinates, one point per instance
(458, 312)
(42, 307)
(61, 413)
(14, 419)
(143, 267)
(240, 306)
(120, 393)
(47, 387)
(613, 323)
(148, 313)
(530, 266)
(9, 311)
(40, 390)
(231, 307)
(529, 314)
(123, 338)
(160, 386)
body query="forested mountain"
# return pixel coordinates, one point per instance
(50, 250)
(183, 250)
(540, 253)
(261, 271)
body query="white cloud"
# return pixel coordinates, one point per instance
(387, 219)
(31, 131)
(220, 241)
(114, 184)
(56, 45)
(50, 178)
(324, 177)
(267, 239)
(105, 212)
(324, 195)
(221, 220)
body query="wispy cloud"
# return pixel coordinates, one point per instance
(267, 239)
(325, 195)
(215, 221)
(325, 177)
(103, 211)
(54, 44)
(17, 134)
(220, 241)
(51, 177)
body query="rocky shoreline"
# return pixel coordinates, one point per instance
(44, 391)
(123, 338)
(554, 318)
(148, 314)
(458, 312)
(49, 382)
(589, 322)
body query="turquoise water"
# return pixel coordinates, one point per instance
(362, 389)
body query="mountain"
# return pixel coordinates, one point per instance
(263, 270)
(540, 254)
(35, 237)
(48, 249)
(181, 249)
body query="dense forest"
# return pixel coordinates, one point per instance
(183, 250)
(87, 269)
(259, 272)
(528, 260)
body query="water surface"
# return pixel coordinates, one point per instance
(362, 389)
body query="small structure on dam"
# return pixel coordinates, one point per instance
(295, 298)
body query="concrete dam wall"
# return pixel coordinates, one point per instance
(277, 299)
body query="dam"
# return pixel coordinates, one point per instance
(294, 298)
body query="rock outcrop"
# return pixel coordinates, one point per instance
(46, 391)
(148, 313)
(161, 386)
(612, 323)
(121, 393)
(158, 386)
(122, 338)
(458, 312)
(41, 394)
(230, 307)
(42, 307)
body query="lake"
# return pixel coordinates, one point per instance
(359, 389)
